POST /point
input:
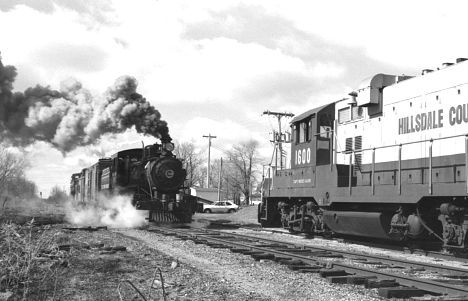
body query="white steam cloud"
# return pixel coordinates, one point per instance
(114, 212)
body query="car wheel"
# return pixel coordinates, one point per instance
(232, 210)
(207, 211)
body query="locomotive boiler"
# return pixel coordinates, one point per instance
(387, 161)
(152, 176)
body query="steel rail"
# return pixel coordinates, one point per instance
(381, 245)
(384, 259)
(410, 263)
(423, 284)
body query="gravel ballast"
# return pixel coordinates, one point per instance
(260, 280)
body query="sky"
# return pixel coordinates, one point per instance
(213, 67)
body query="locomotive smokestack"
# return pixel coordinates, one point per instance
(72, 116)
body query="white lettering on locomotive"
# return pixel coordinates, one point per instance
(432, 120)
(303, 156)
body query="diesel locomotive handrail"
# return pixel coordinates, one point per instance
(401, 144)
(430, 181)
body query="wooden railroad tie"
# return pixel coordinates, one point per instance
(401, 292)
(380, 283)
(350, 279)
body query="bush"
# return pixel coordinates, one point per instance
(23, 250)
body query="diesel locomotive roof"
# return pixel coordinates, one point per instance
(310, 113)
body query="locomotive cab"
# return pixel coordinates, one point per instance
(311, 159)
(311, 153)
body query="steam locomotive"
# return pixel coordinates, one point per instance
(151, 175)
(387, 161)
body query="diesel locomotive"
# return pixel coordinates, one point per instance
(387, 161)
(152, 176)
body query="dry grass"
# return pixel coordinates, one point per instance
(29, 259)
(21, 211)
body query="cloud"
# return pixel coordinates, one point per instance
(243, 23)
(78, 57)
(211, 70)
(93, 10)
(46, 6)
(251, 24)
(228, 131)
(304, 62)
(278, 87)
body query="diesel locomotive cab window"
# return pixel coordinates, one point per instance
(310, 132)
(324, 138)
(303, 132)
(294, 133)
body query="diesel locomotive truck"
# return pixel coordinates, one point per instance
(387, 161)
(151, 175)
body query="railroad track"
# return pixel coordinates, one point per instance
(402, 247)
(394, 278)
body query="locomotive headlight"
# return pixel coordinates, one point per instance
(168, 146)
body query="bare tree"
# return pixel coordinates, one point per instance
(227, 191)
(192, 161)
(232, 182)
(22, 188)
(245, 159)
(12, 168)
(58, 194)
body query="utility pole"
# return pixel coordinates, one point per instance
(219, 178)
(277, 138)
(209, 151)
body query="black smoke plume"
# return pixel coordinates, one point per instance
(72, 117)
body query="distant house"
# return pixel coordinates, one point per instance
(205, 195)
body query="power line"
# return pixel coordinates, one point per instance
(277, 139)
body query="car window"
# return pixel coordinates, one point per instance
(220, 204)
(228, 203)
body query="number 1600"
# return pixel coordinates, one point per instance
(303, 156)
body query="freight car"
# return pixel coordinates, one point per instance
(152, 176)
(387, 161)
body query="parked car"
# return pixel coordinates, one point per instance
(218, 207)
